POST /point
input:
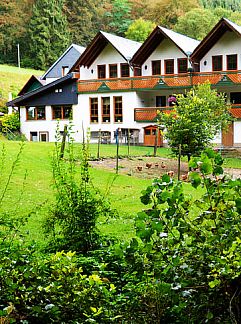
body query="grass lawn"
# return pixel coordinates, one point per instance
(31, 190)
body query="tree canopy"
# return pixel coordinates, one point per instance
(48, 33)
(197, 118)
(139, 30)
(79, 21)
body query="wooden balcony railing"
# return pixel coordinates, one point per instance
(184, 80)
(149, 114)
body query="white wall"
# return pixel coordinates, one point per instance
(165, 51)
(237, 133)
(228, 44)
(108, 56)
(47, 125)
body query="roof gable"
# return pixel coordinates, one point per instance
(213, 37)
(71, 77)
(125, 47)
(69, 57)
(32, 84)
(184, 43)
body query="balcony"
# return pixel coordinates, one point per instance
(146, 115)
(175, 81)
(149, 115)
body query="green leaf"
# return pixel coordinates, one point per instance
(195, 179)
(214, 283)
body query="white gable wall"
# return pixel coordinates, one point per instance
(165, 51)
(108, 56)
(228, 44)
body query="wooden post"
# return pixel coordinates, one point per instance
(179, 161)
(61, 155)
(156, 140)
(117, 150)
(99, 140)
(128, 142)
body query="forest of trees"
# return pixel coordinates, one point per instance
(45, 28)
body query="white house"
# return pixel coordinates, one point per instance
(121, 84)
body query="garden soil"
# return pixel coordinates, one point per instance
(150, 167)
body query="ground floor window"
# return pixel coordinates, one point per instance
(105, 109)
(103, 136)
(118, 111)
(35, 113)
(43, 136)
(39, 136)
(34, 136)
(94, 110)
(61, 112)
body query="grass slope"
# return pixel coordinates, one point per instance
(12, 79)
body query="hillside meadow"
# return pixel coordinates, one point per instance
(12, 79)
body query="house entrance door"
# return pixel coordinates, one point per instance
(227, 137)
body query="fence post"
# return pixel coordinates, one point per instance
(61, 155)
(179, 161)
(128, 142)
(156, 140)
(117, 150)
(99, 139)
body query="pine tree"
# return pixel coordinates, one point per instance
(48, 33)
(83, 17)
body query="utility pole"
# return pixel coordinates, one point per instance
(18, 56)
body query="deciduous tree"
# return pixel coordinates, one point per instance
(196, 23)
(166, 12)
(194, 122)
(139, 30)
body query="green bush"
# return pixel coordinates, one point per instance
(10, 123)
(194, 245)
(72, 223)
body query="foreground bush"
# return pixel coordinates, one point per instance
(51, 289)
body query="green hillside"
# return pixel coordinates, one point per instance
(12, 79)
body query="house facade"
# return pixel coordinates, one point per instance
(117, 83)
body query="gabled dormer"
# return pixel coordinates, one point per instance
(107, 57)
(64, 63)
(164, 52)
(220, 50)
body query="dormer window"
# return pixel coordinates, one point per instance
(65, 70)
(217, 61)
(232, 62)
(101, 71)
(112, 71)
(125, 70)
(182, 65)
(169, 66)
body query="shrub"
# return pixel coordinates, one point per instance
(194, 245)
(10, 123)
(72, 222)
